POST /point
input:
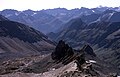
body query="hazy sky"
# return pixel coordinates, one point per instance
(46, 4)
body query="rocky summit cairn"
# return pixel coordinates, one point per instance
(62, 50)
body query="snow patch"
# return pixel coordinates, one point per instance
(8, 15)
(93, 11)
(16, 14)
(34, 14)
(91, 61)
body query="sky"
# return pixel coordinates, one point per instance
(50, 4)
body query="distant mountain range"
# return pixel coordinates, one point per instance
(51, 20)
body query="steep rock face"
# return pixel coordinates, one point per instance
(65, 54)
(87, 49)
(62, 50)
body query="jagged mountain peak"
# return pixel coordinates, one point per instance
(62, 50)
(29, 12)
(87, 49)
(41, 19)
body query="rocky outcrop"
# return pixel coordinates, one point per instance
(63, 62)
(65, 53)
(88, 50)
(62, 50)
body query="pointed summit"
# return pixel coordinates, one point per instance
(62, 50)
(87, 49)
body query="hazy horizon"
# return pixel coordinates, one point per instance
(45, 4)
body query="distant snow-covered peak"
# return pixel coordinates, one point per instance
(93, 11)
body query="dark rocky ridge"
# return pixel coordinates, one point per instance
(60, 61)
(18, 40)
(61, 51)
(18, 30)
(87, 49)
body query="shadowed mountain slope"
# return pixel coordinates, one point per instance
(18, 39)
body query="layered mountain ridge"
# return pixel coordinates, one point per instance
(53, 18)
(102, 34)
(17, 39)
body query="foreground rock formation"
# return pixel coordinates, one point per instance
(64, 61)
